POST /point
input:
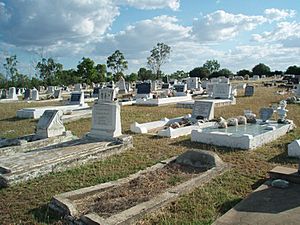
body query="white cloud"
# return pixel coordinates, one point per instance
(284, 32)
(279, 14)
(221, 25)
(151, 4)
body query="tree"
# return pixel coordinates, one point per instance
(87, 71)
(132, 77)
(261, 69)
(199, 72)
(159, 55)
(144, 74)
(243, 72)
(11, 68)
(116, 62)
(48, 69)
(179, 74)
(212, 65)
(101, 72)
(223, 72)
(293, 70)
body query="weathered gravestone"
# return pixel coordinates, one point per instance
(122, 86)
(180, 89)
(27, 94)
(50, 124)
(249, 91)
(51, 89)
(35, 95)
(265, 114)
(143, 88)
(203, 110)
(78, 87)
(222, 91)
(106, 119)
(4, 94)
(57, 93)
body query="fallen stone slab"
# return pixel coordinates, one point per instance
(22, 166)
(75, 205)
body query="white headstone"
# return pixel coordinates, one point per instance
(210, 88)
(122, 86)
(35, 95)
(12, 93)
(222, 91)
(78, 87)
(193, 83)
(106, 119)
(203, 110)
(294, 149)
(50, 124)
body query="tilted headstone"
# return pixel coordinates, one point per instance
(57, 93)
(77, 98)
(106, 118)
(27, 94)
(222, 91)
(35, 95)
(12, 93)
(249, 90)
(265, 113)
(50, 124)
(203, 110)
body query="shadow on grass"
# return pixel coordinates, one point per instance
(44, 214)
(226, 206)
(13, 119)
(283, 158)
(195, 145)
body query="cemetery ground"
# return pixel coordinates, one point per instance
(27, 203)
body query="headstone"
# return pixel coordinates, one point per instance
(12, 93)
(154, 85)
(203, 110)
(249, 91)
(180, 89)
(143, 88)
(294, 149)
(77, 98)
(41, 88)
(297, 92)
(256, 77)
(193, 83)
(209, 89)
(27, 94)
(57, 93)
(222, 91)
(51, 89)
(96, 91)
(111, 84)
(122, 86)
(204, 83)
(4, 94)
(265, 114)
(35, 95)
(165, 86)
(78, 87)
(50, 124)
(106, 119)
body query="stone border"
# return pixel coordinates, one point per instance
(64, 203)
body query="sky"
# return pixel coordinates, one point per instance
(237, 33)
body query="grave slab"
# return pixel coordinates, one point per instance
(217, 103)
(162, 101)
(66, 204)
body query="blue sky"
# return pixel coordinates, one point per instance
(239, 34)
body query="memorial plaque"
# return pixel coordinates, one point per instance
(143, 88)
(103, 117)
(249, 91)
(203, 110)
(265, 114)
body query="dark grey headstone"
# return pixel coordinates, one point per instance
(265, 114)
(57, 93)
(96, 91)
(165, 86)
(75, 97)
(143, 88)
(4, 94)
(179, 87)
(249, 91)
(27, 94)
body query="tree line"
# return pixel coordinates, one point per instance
(49, 72)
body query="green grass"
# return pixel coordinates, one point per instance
(27, 202)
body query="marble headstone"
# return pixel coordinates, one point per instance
(50, 124)
(12, 93)
(203, 110)
(35, 95)
(122, 86)
(106, 118)
(78, 87)
(222, 91)
(193, 83)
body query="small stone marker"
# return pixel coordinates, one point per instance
(265, 114)
(50, 124)
(106, 119)
(294, 149)
(249, 91)
(203, 110)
